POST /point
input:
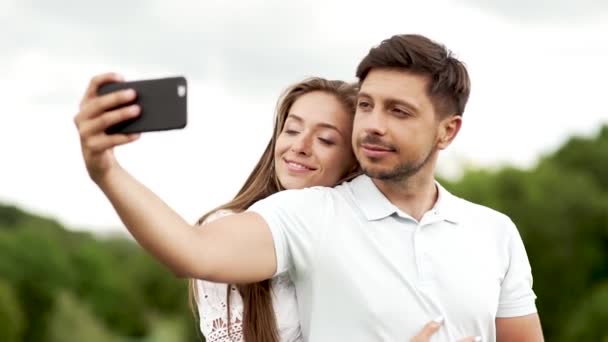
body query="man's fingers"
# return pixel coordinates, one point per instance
(471, 339)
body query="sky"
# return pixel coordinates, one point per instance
(538, 69)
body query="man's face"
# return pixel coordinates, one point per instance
(396, 131)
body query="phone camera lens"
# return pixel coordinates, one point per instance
(181, 90)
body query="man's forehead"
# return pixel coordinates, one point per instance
(395, 78)
(389, 84)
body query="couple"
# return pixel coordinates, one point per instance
(373, 258)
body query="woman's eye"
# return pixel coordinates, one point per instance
(327, 141)
(291, 132)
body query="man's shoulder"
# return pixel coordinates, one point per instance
(485, 219)
(312, 198)
(307, 198)
(313, 192)
(480, 212)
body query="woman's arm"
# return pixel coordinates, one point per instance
(234, 249)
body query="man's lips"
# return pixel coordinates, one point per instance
(376, 151)
(378, 148)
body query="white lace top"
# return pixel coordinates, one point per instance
(212, 307)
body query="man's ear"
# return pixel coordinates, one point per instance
(448, 129)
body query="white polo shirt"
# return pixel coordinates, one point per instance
(366, 271)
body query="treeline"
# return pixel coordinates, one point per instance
(61, 286)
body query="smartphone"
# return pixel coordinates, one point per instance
(163, 104)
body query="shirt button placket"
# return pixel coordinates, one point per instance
(420, 250)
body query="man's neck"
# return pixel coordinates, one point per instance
(414, 196)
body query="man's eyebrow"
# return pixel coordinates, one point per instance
(363, 94)
(392, 101)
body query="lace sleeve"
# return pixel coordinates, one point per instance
(213, 313)
(213, 307)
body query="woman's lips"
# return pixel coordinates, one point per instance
(297, 167)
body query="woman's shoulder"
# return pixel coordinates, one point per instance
(217, 215)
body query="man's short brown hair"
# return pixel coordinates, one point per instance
(449, 84)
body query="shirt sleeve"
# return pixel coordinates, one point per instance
(516, 295)
(295, 219)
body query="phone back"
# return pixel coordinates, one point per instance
(163, 104)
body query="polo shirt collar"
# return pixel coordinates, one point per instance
(447, 206)
(371, 200)
(376, 206)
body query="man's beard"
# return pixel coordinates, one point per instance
(402, 171)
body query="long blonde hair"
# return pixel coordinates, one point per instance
(259, 321)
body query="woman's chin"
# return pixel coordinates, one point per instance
(296, 182)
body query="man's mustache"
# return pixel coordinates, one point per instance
(375, 140)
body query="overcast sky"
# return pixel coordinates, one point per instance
(538, 69)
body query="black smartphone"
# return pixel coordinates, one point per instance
(163, 104)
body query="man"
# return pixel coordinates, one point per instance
(377, 257)
(374, 258)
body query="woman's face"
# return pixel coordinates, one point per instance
(314, 147)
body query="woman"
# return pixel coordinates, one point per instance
(304, 151)
(310, 146)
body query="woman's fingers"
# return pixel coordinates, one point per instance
(98, 105)
(99, 124)
(96, 82)
(101, 143)
(432, 327)
(429, 329)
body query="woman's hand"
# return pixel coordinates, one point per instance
(432, 327)
(95, 117)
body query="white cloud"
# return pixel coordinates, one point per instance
(535, 12)
(533, 86)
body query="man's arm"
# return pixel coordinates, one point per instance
(521, 329)
(517, 318)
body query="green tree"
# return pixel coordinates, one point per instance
(11, 315)
(561, 210)
(72, 321)
(34, 262)
(589, 321)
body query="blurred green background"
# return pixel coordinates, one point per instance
(58, 285)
